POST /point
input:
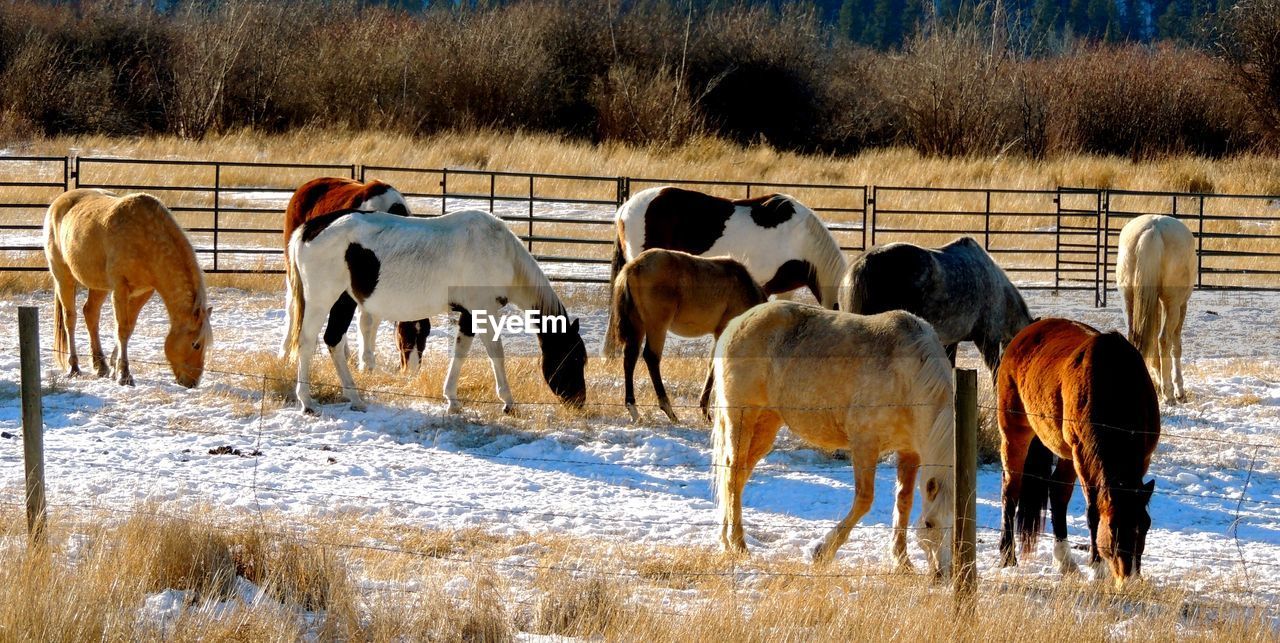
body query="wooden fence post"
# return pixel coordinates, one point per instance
(32, 419)
(966, 527)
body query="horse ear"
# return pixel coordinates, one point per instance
(573, 326)
(1144, 494)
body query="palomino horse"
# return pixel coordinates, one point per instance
(1155, 272)
(401, 269)
(127, 247)
(957, 288)
(782, 243)
(663, 290)
(329, 194)
(869, 384)
(1065, 389)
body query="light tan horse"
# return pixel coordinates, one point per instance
(1155, 272)
(663, 290)
(127, 247)
(870, 384)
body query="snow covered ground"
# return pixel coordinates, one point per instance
(1216, 511)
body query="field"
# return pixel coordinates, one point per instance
(405, 522)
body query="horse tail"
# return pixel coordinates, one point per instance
(722, 454)
(1034, 497)
(622, 315)
(615, 268)
(297, 302)
(1144, 278)
(59, 334)
(857, 288)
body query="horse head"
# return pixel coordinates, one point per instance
(564, 361)
(1122, 531)
(936, 518)
(188, 339)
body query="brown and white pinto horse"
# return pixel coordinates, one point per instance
(1065, 389)
(128, 247)
(783, 244)
(330, 194)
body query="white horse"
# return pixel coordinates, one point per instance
(404, 269)
(1155, 272)
(866, 383)
(782, 243)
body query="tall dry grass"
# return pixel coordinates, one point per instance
(370, 579)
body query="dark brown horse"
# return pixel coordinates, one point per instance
(663, 290)
(1065, 389)
(330, 194)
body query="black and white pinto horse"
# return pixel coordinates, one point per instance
(782, 243)
(957, 288)
(404, 269)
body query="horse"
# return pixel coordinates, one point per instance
(330, 193)
(783, 244)
(401, 268)
(1066, 389)
(957, 288)
(663, 290)
(866, 383)
(1155, 272)
(128, 247)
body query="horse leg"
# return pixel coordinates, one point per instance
(630, 353)
(461, 346)
(1064, 483)
(1164, 354)
(908, 467)
(654, 341)
(335, 337)
(1013, 456)
(493, 347)
(863, 457)
(126, 307)
(368, 333)
(1173, 326)
(319, 306)
(751, 438)
(1091, 512)
(92, 317)
(704, 401)
(66, 294)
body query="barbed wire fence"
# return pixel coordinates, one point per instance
(1250, 597)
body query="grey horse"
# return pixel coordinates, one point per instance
(957, 288)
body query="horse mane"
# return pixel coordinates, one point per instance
(935, 375)
(530, 278)
(1122, 410)
(824, 254)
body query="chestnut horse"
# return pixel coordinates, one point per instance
(783, 244)
(329, 194)
(1155, 272)
(1065, 389)
(127, 247)
(866, 383)
(663, 290)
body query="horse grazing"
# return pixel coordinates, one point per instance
(663, 290)
(401, 269)
(957, 288)
(869, 384)
(1065, 389)
(1155, 272)
(329, 194)
(783, 244)
(127, 247)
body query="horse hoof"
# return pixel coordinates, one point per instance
(635, 415)
(360, 407)
(508, 409)
(310, 411)
(1008, 561)
(454, 408)
(126, 380)
(904, 567)
(821, 555)
(671, 415)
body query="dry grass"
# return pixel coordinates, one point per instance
(349, 577)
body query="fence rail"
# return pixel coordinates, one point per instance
(1059, 239)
